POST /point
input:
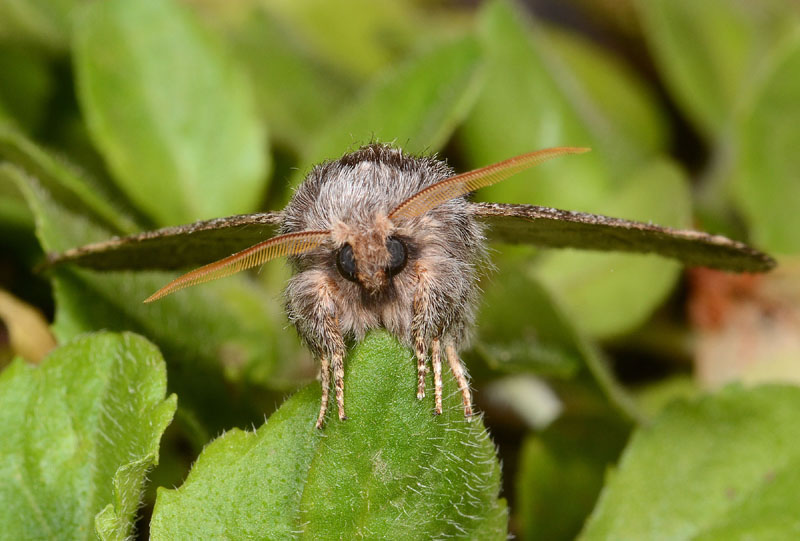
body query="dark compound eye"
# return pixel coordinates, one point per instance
(399, 255)
(346, 263)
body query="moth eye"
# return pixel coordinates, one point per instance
(346, 263)
(398, 253)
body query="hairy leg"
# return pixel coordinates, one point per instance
(338, 382)
(436, 361)
(421, 325)
(457, 367)
(422, 368)
(312, 308)
(334, 349)
(326, 388)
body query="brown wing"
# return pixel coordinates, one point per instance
(555, 228)
(175, 247)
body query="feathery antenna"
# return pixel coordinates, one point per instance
(465, 183)
(258, 254)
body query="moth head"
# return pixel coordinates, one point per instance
(368, 254)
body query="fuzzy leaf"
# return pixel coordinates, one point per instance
(77, 435)
(718, 467)
(172, 115)
(391, 469)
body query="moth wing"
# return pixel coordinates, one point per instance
(553, 228)
(175, 247)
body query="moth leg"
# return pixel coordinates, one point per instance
(326, 388)
(422, 324)
(334, 350)
(422, 368)
(318, 324)
(338, 381)
(457, 367)
(436, 361)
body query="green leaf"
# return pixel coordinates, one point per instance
(607, 294)
(45, 23)
(710, 51)
(418, 105)
(561, 473)
(26, 85)
(172, 115)
(613, 93)
(71, 188)
(766, 179)
(361, 37)
(391, 469)
(78, 434)
(14, 212)
(518, 326)
(6, 118)
(295, 90)
(719, 467)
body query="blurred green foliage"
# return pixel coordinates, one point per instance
(125, 115)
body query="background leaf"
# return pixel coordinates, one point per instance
(719, 464)
(44, 23)
(78, 435)
(588, 284)
(363, 477)
(171, 113)
(767, 173)
(362, 37)
(561, 472)
(14, 212)
(26, 84)
(73, 190)
(417, 105)
(295, 89)
(518, 326)
(708, 52)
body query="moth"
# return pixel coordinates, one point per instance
(381, 238)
